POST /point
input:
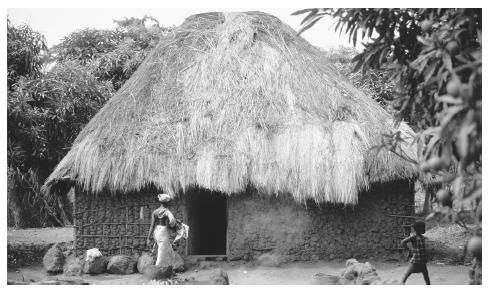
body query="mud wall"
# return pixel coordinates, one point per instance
(259, 224)
(117, 224)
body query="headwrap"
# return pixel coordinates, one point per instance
(163, 197)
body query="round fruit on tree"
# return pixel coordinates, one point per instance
(474, 246)
(426, 25)
(452, 47)
(453, 87)
(444, 197)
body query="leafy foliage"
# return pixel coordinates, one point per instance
(374, 82)
(44, 117)
(25, 48)
(45, 114)
(84, 45)
(434, 57)
(112, 55)
(47, 110)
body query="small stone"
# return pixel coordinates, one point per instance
(269, 260)
(220, 278)
(178, 264)
(153, 272)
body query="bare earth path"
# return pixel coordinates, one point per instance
(40, 235)
(293, 273)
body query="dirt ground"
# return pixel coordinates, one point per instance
(40, 235)
(238, 272)
(293, 273)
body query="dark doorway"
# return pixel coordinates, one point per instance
(207, 218)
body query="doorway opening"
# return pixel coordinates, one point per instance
(207, 218)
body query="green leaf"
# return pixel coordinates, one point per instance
(304, 11)
(448, 99)
(309, 16)
(425, 41)
(430, 71)
(306, 27)
(446, 58)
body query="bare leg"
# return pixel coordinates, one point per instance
(406, 277)
(407, 274)
(426, 276)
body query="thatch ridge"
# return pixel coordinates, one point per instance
(232, 100)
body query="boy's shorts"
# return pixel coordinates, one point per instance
(417, 268)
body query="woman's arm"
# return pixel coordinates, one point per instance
(171, 219)
(153, 220)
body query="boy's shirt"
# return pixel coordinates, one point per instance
(418, 249)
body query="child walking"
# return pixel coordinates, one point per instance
(418, 262)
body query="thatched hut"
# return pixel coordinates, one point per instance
(263, 144)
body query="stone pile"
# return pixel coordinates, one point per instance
(355, 273)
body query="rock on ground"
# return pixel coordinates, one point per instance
(220, 278)
(54, 259)
(73, 267)
(325, 279)
(179, 264)
(145, 260)
(96, 266)
(121, 264)
(355, 273)
(269, 260)
(153, 272)
(212, 277)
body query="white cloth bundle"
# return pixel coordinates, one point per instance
(164, 197)
(182, 232)
(92, 254)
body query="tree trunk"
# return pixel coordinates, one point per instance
(14, 205)
(428, 192)
(475, 272)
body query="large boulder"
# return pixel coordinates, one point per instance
(96, 265)
(54, 259)
(121, 264)
(73, 267)
(153, 272)
(145, 260)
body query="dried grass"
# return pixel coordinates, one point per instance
(236, 100)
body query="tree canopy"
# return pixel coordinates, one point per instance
(52, 93)
(434, 58)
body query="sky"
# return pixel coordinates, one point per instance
(56, 23)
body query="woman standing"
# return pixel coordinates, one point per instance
(161, 221)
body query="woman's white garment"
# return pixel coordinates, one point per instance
(166, 255)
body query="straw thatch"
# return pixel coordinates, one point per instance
(236, 100)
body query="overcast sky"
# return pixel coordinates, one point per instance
(55, 24)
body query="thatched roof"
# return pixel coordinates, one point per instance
(236, 100)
